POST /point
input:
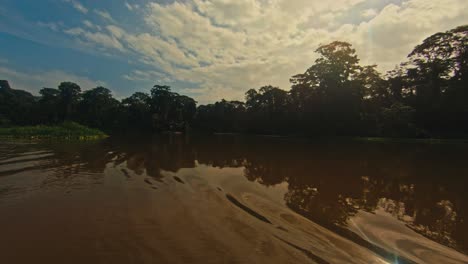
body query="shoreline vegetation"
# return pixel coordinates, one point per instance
(66, 130)
(75, 131)
(423, 99)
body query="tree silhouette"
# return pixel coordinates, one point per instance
(424, 96)
(69, 95)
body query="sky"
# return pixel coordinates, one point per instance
(206, 49)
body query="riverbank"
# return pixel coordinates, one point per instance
(66, 130)
(412, 140)
(355, 138)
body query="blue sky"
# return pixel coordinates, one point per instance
(207, 49)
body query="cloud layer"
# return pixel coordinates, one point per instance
(221, 48)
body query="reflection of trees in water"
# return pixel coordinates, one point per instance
(151, 157)
(422, 185)
(82, 163)
(57, 164)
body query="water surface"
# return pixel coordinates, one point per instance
(228, 199)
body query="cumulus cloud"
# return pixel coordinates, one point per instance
(34, 81)
(368, 13)
(225, 47)
(393, 33)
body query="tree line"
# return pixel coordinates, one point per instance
(425, 96)
(161, 110)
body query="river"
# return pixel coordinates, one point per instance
(232, 199)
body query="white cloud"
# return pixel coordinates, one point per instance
(74, 31)
(91, 25)
(34, 81)
(132, 7)
(148, 76)
(225, 47)
(103, 39)
(115, 31)
(105, 15)
(251, 48)
(78, 6)
(88, 23)
(396, 30)
(368, 13)
(50, 25)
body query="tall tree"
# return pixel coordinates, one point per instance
(333, 95)
(432, 65)
(184, 108)
(161, 100)
(460, 51)
(98, 108)
(138, 111)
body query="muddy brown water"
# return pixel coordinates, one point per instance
(231, 199)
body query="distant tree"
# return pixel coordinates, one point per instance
(267, 109)
(273, 100)
(69, 95)
(138, 111)
(373, 85)
(48, 104)
(184, 108)
(161, 100)
(252, 100)
(222, 116)
(16, 106)
(397, 121)
(98, 108)
(170, 111)
(397, 80)
(375, 95)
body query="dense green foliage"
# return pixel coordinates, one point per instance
(64, 130)
(426, 96)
